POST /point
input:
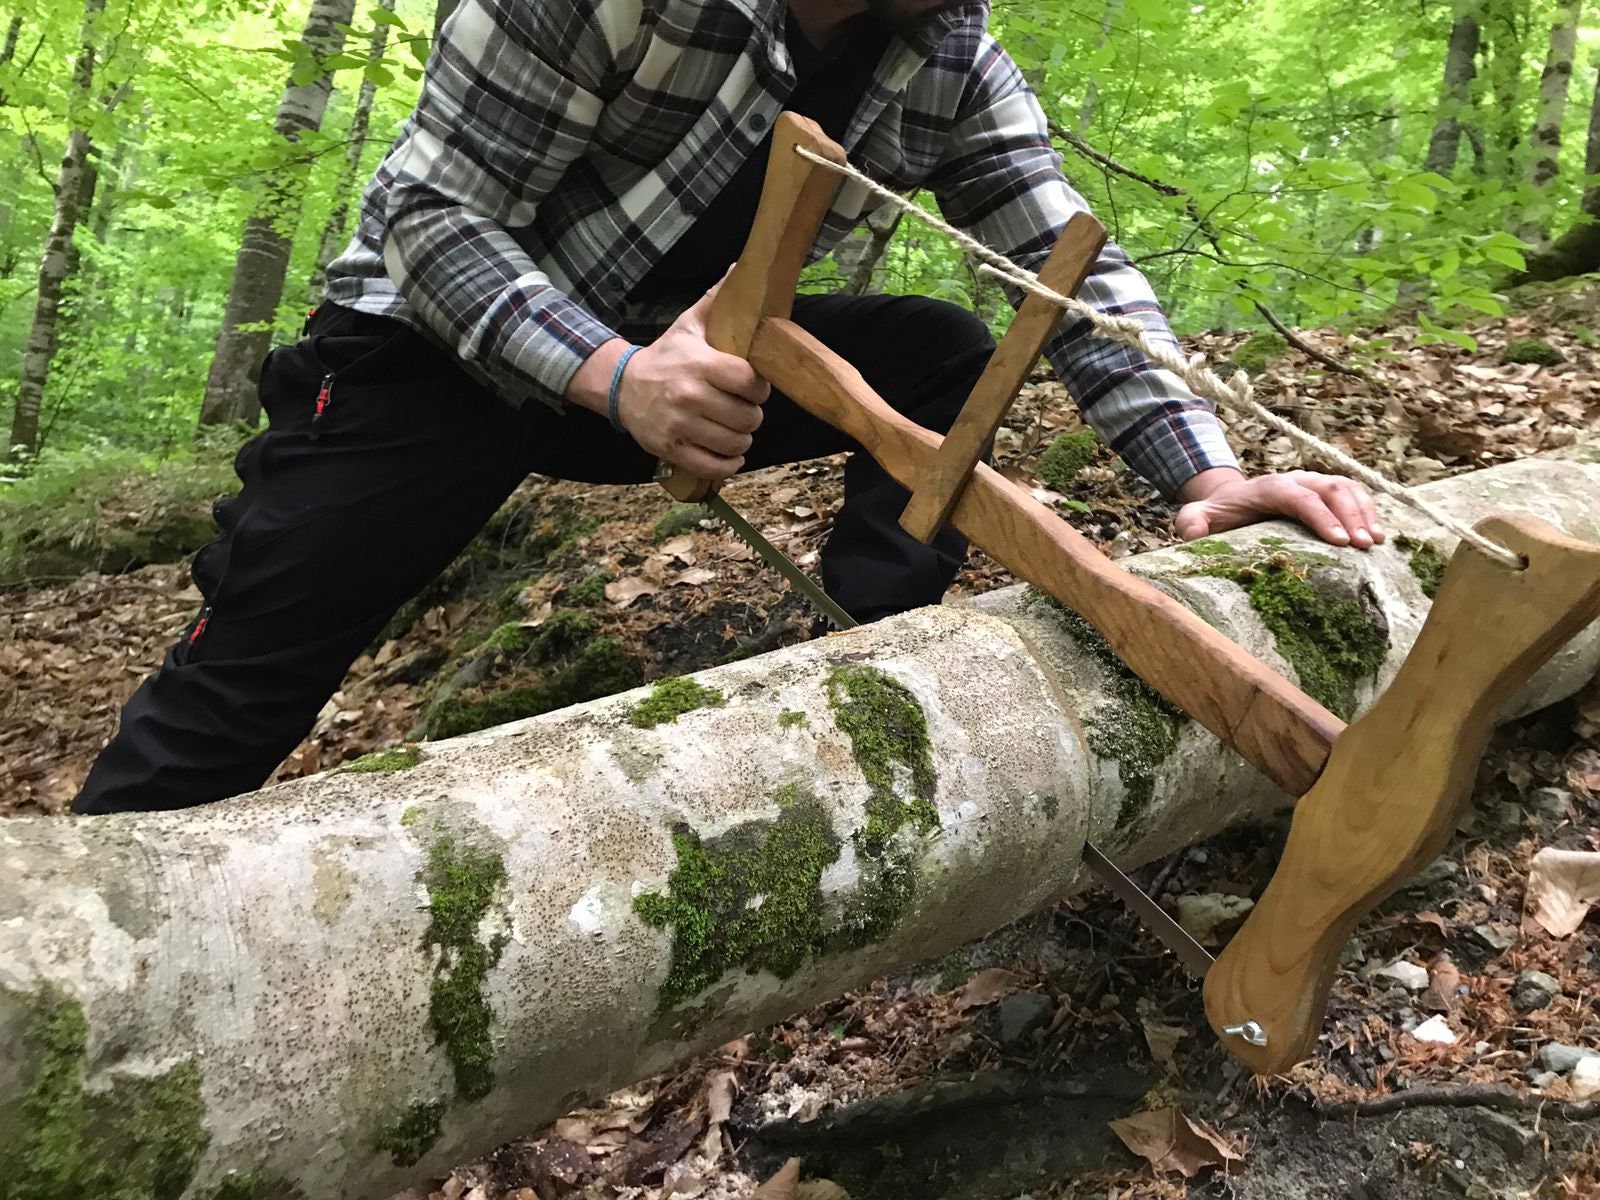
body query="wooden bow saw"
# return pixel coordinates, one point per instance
(1384, 790)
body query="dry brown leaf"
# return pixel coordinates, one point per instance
(623, 592)
(721, 1087)
(1170, 1141)
(821, 1189)
(1562, 884)
(696, 576)
(986, 987)
(1163, 1040)
(1443, 979)
(782, 1186)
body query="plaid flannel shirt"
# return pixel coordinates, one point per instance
(559, 147)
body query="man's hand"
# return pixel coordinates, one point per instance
(690, 405)
(1337, 509)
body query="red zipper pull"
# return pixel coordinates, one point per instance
(200, 625)
(324, 398)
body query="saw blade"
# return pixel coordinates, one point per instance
(780, 562)
(1175, 937)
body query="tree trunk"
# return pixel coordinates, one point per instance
(1505, 36)
(333, 231)
(1553, 88)
(1089, 109)
(862, 267)
(1455, 96)
(263, 261)
(1576, 252)
(336, 986)
(56, 263)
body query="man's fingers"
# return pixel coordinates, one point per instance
(715, 438)
(702, 463)
(1308, 507)
(732, 374)
(1350, 504)
(732, 412)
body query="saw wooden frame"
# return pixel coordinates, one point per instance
(1379, 798)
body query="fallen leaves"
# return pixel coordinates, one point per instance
(1562, 885)
(988, 986)
(1170, 1141)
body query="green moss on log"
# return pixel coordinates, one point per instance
(397, 758)
(1427, 561)
(139, 1138)
(1138, 729)
(1207, 547)
(680, 518)
(1068, 454)
(588, 592)
(748, 898)
(252, 1185)
(1332, 643)
(792, 718)
(670, 698)
(413, 1133)
(1259, 351)
(465, 882)
(887, 729)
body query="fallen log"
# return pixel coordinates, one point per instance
(335, 986)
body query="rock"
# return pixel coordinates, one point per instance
(1585, 1078)
(1353, 953)
(1435, 1029)
(1496, 937)
(1551, 803)
(1534, 989)
(1408, 975)
(1021, 1014)
(1543, 1079)
(1206, 915)
(1561, 1058)
(1440, 870)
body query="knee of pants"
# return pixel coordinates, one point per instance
(946, 331)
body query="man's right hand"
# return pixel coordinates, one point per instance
(690, 405)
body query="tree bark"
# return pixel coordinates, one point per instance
(263, 260)
(1577, 251)
(56, 263)
(335, 986)
(1455, 96)
(1553, 88)
(333, 230)
(869, 250)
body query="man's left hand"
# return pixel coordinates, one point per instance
(1336, 509)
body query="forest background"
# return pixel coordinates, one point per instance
(173, 179)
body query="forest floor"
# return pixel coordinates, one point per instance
(997, 1071)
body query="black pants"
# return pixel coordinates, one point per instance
(343, 519)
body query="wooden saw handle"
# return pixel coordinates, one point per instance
(1064, 271)
(794, 199)
(1388, 799)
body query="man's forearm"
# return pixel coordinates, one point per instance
(591, 386)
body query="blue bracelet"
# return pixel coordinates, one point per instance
(615, 394)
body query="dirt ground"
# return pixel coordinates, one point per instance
(997, 1072)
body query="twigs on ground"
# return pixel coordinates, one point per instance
(1472, 1095)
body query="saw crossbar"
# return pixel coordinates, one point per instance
(1378, 799)
(1269, 721)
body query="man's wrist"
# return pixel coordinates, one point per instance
(590, 386)
(1206, 482)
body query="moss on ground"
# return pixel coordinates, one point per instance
(252, 1185)
(588, 592)
(1259, 351)
(680, 518)
(601, 668)
(1331, 642)
(792, 718)
(1427, 563)
(396, 758)
(465, 882)
(413, 1133)
(670, 698)
(1532, 350)
(1138, 729)
(1066, 456)
(749, 898)
(138, 1139)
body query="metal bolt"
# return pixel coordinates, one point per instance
(1250, 1031)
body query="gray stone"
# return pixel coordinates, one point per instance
(1551, 803)
(1021, 1014)
(1534, 989)
(1408, 975)
(1496, 939)
(1561, 1058)
(1543, 1079)
(1353, 953)
(1440, 870)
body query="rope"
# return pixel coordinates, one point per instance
(1236, 394)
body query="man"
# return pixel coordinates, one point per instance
(575, 177)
